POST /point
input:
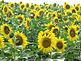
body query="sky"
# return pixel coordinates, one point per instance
(60, 2)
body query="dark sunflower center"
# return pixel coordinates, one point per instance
(6, 30)
(46, 42)
(5, 9)
(72, 33)
(22, 6)
(12, 5)
(27, 5)
(77, 8)
(19, 40)
(67, 6)
(73, 11)
(28, 23)
(53, 15)
(55, 30)
(65, 19)
(20, 18)
(59, 45)
(50, 26)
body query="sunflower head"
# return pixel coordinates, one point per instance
(6, 30)
(5, 9)
(49, 25)
(22, 6)
(1, 42)
(20, 18)
(60, 45)
(27, 23)
(73, 32)
(55, 30)
(9, 14)
(20, 40)
(33, 14)
(46, 41)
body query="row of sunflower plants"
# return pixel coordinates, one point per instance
(32, 32)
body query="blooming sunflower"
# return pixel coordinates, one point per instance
(67, 7)
(11, 5)
(22, 6)
(49, 25)
(20, 18)
(46, 41)
(5, 9)
(73, 32)
(6, 30)
(27, 23)
(1, 42)
(55, 30)
(21, 40)
(33, 14)
(41, 12)
(60, 45)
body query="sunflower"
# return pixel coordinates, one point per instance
(46, 41)
(21, 40)
(49, 25)
(41, 12)
(54, 14)
(1, 42)
(65, 19)
(33, 14)
(27, 5)
(60, 45)
(22, 6)
(20, 18)
(27, 23)
(9, 13)
(5, 9)
(77, 7)
(67, 7)
(11, 5)
(6, 30)
(55, 30)
(73, 32)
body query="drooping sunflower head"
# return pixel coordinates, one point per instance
(27, 23)
(60, 45)
(46, 41)
(9, 14)
(73, 33)
(55, 30)
(1, 42)
(6, 30)
(20, 40)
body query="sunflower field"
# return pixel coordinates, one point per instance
(32, 32)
